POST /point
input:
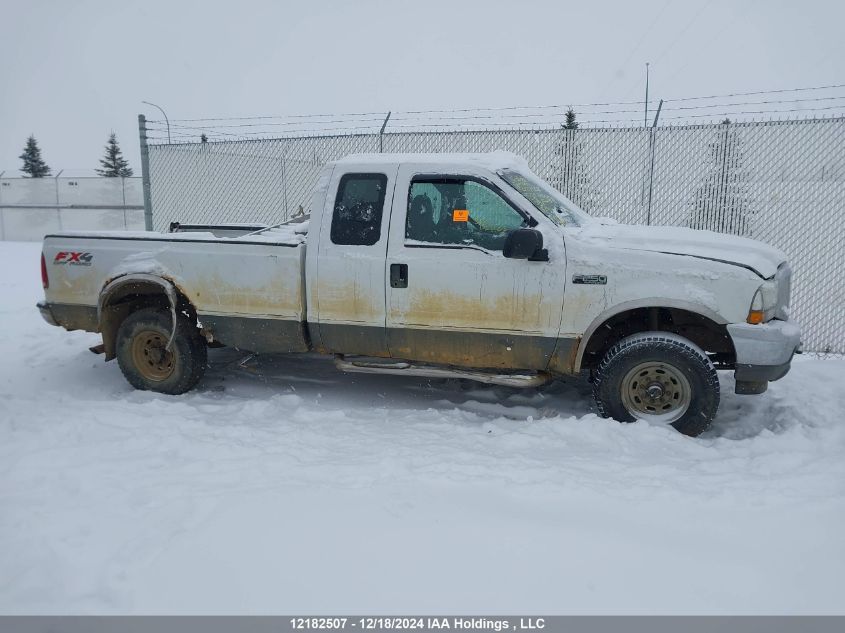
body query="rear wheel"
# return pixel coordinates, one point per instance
(658, 377)
(148, 363)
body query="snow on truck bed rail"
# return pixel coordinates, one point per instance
(293, 233)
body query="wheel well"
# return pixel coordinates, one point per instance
(131, 296)
(710, 336)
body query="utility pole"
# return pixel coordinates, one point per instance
(652, 142)
(645, 114)
(145, 173)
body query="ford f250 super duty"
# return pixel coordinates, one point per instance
(442, 266)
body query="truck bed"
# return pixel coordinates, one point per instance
(246, 290)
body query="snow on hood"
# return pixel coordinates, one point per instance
(740, 251)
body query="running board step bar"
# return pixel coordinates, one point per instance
(367, 365)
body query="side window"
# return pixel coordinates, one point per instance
(356, 219)
(459, 211)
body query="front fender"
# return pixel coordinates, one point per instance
(650, 302)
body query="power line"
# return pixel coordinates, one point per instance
(678, 36)
(637, 45)
(683, 31)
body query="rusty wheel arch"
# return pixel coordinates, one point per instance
(123, 295)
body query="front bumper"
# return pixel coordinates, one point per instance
(46, 312)
(763, 352)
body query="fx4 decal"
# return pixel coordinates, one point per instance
(72, 259)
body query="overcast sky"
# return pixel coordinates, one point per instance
(72, 71)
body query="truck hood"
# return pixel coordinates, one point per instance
(730, 249)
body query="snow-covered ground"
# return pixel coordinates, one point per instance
(282, 486)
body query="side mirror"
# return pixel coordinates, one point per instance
(525, 244)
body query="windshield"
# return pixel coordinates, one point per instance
(550, 202)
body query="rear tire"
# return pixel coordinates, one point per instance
(658, 377)
(147, 364)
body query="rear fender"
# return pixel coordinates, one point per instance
(110, 316)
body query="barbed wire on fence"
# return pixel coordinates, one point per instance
(819, 101)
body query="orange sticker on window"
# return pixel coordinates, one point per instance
(460, 215)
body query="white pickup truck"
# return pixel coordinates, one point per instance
(442, 265)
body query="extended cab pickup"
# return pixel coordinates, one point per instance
(442, 265)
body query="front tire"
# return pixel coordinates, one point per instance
(145, 360)
(658, 377)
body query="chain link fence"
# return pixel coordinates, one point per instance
(782, 182)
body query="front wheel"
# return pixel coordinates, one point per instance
(146, 360)
(658, 377)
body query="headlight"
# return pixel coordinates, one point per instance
(764, 303)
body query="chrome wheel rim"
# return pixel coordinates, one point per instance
(150, 356)
(656, 392)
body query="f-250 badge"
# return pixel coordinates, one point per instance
(600, 280)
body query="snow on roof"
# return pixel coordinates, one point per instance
(490, 160)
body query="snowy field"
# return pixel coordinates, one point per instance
(282, 486)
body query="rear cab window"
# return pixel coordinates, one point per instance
(358, 209)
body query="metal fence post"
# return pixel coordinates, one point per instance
(653, 132)
(381, 134)
(285, 180)
(2, 221)
(721, 203)
(651, 167)
(58, 210)
(123, 197)
(145, 173)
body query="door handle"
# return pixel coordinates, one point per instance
(399, 275)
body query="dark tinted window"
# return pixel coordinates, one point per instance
(358, 209)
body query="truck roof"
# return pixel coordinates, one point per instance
(489, 160)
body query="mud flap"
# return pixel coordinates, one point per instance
(751, 387)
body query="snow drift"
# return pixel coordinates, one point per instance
(283, 486)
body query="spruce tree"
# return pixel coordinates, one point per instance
(33, 164)
(723, 200)
(571, 123)
(113, 163)
(569, 174)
